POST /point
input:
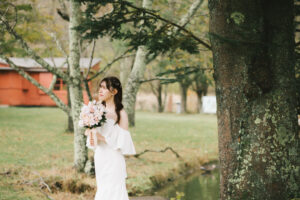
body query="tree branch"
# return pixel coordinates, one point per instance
(37, 58)
(58, 44)
(63, 13)
(164, 150)
(85, 81)
(52, 83)
(156, 78)
(111, 63)
(169, 22)
(186, 18)
(91, 58)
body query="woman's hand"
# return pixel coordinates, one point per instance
(87, 131)
(99, 136)
(91, 138)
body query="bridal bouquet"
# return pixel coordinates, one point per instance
(92, 116)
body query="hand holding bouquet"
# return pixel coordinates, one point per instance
(92, 116)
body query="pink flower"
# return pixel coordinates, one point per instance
(92, 109)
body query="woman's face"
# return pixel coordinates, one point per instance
(104, 92)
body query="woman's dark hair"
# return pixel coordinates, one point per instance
(113, 82)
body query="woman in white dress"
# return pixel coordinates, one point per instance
(114, 142)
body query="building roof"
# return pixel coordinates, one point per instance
(32, 65)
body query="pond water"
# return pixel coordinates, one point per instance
(197, 186)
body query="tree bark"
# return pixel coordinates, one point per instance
(161, 94)
(200, 87)
(125, 69)
(188, 16)
(199, 101)
(70, 120)
(253, 55)
(159, 98)
(136, 74)
(76, 97)
(183, 89)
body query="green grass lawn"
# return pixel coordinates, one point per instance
(36, 140)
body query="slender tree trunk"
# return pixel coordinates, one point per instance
(80, 149)
(199, 101)
(70, 120)
(188, 16)
(164, 103)
(183, 89)
(200, 88)
(139, 66)
(159, 98)
(125, 69)
(136, 74)
(253, 54)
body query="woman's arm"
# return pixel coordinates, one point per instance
(124, 124)
(124, 119)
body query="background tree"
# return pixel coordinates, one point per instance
(149, 30)
(29, 23)
(137, 73)
(80, 149)
(73, 79)
(157, 88)
(200, 84)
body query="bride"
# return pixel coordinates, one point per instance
(113, 143)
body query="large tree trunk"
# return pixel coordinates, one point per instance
(253, 54)
(136, 74)
(80, 149)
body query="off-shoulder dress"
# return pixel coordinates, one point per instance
(110, 166)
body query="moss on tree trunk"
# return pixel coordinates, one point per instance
(253, 45)
(76, 97)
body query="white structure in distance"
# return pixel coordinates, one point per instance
(209, 104)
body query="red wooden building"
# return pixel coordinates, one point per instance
(17, 91)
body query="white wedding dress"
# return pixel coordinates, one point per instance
(110, 166)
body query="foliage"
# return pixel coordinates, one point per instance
(178, 74)
(112, 17)
(196, 68)
(178, 196)
(29, 22)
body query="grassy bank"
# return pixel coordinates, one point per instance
(35, 149)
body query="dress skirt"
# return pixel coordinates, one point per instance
(110, 169)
